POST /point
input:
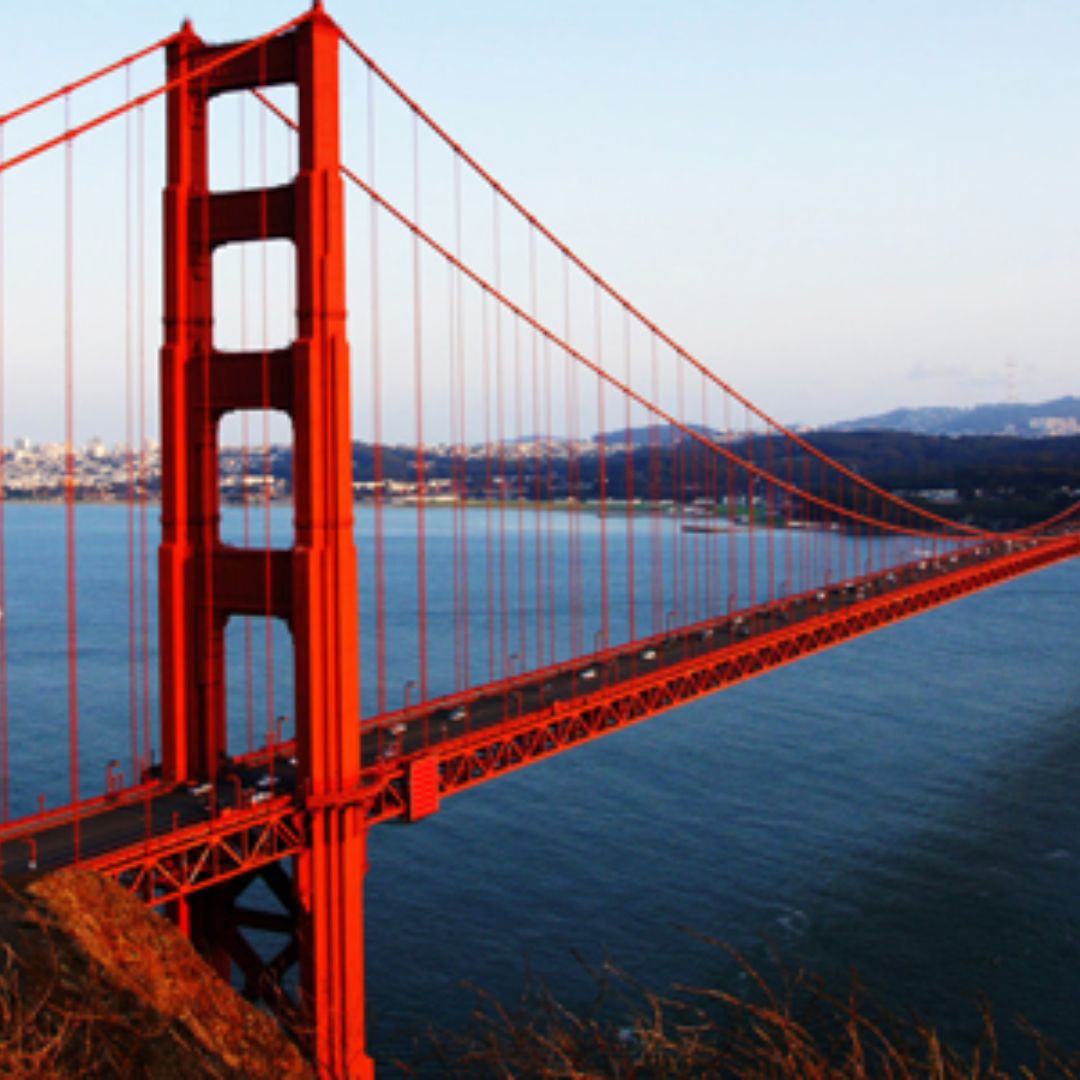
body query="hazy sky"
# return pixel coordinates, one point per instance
(840, 207)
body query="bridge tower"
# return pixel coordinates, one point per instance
(312, 584)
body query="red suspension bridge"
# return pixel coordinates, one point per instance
(567, 523)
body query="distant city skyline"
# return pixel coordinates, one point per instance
(1049, 419)
(840, 209)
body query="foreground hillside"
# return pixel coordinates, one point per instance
(92, 984)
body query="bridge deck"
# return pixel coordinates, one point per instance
(183, 837)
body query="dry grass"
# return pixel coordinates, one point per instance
(789, 1025)
(57, 1021)
(92, 984)
(46, 1034)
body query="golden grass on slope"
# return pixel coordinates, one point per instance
(789, 1026)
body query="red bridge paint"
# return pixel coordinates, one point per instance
(193, 833)
(312, 586)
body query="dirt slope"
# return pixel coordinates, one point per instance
(92, 983)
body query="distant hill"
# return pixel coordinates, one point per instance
(1029, 421)
(1058, 417)
(662, 434)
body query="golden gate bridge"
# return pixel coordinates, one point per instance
(567, 423)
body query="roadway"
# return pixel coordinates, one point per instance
(128, 819)
(411, 731)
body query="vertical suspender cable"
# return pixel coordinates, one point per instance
(292, 162)
(826, 569)
(827, 523)
(418, 390)
(455, 461)
(861, 532)
(675, 486)
(806, 545)
(656, 538)
(770, 515)
(519, 482)
(537, 458)
(817, 515)
(264, 395)
(69, 464)
(879, 540)
(245, 449)
(489, 480)
(209, 613)
(573, 469)
(787, 515)
(854, 531)
(504, 630)
(693, 450)
(457, 407)
(685, 452)
(732, 590)
(872, 533)
(868, 564)
(129, 439)
(376, 414)
(838, 532)
(601, 436)
(5, 761)
(572, 501)
(144, 480)
(451, 404)
(548, 501)
(631, 576)
(550, 515)
(841, 530)
(500, 444)
(712, 497)
(679, 563)
(718, 535)
(750, 512)
(706, 492)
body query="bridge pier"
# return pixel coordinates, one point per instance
(330, 885)
(312, 586)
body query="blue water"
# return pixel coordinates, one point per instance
(905, 805)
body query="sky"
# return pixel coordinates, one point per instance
(839, 207)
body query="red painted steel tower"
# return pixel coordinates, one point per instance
(311, 585)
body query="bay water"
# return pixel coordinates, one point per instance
(906, 805)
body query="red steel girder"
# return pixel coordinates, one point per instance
(174, 865)
(483, 755)
(236, 841)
